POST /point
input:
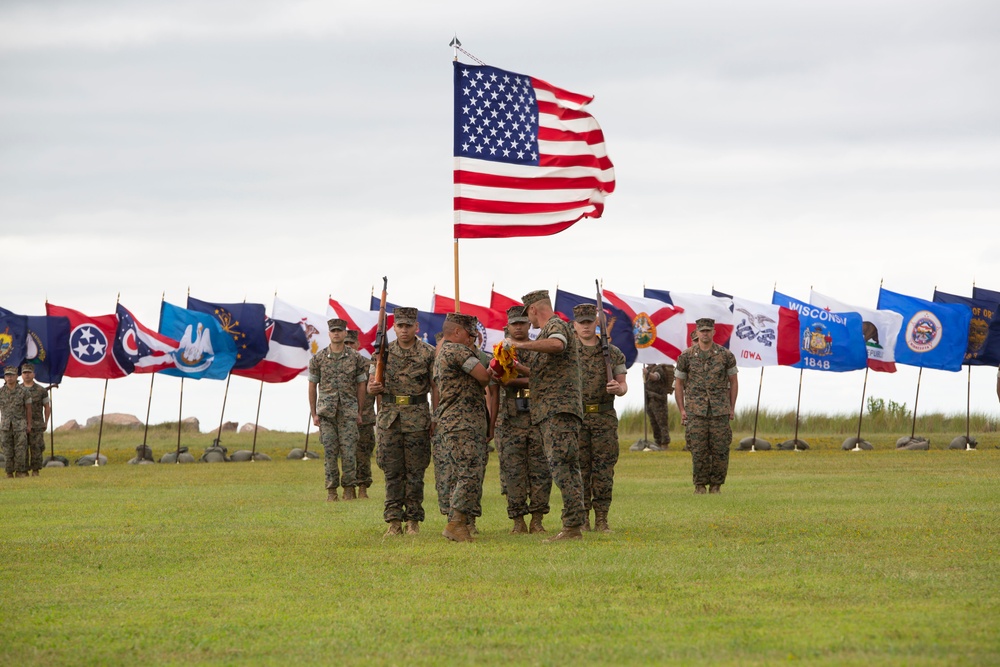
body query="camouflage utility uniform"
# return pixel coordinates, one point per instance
(524, 471)
(36, 439)
(706, 402)
(657, 400)
(599, 431)
(403, 425)
(337, 376)
(13, 427)
(366, 442)
(463, 420)
(557, 410)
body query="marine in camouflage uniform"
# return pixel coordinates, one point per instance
(438, 453)
(463, 419)
(599, 432)
(556, 404)
(366, 432)
(524, 470)
(706, 388)
(337, 377)
(658, 382)
(403, 422)
(40, 413)
(15, 419)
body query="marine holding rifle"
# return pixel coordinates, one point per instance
(407, 396)
(602, 372)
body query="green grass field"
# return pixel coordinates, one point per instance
(818, 557)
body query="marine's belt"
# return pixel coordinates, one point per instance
(598, 407)
(406, 400)
(523, 393)
(519, 404)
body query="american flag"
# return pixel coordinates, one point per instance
(529, 161)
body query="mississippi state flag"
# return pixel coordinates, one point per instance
(288, 353)
(658, 329)
(529, 161)
(139, 349)
(764, 334)
(90, 344)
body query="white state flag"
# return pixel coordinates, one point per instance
(881, 328)
(313, 324)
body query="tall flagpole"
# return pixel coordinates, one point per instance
(798, 404)
(756, 412)
(458, 298)
(180, 411)
(149, 404)
(305, 450)
(100, 429)
(253, 450)
(861, 412)
(913, 428)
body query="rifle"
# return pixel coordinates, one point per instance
(381, 346)
(602, 321)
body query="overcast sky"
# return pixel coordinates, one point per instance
(247, 147)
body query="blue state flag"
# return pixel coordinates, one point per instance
(46, 346)
(619, 323)
(244, 322)
(985, 294)
(429, 323)
(206, 350)
(828, 341)
(984, 328)
(934, 335)
(13, 338)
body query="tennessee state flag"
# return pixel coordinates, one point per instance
(90, 344)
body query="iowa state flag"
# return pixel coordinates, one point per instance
(90, 344)
(879, 327)
(828, 341)
(697, 306)
(984, 329)
(934, 335)
(764, 334)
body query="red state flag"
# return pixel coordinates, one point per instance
(90, 344)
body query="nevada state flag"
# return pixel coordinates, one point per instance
(764, 334)
(828, 341)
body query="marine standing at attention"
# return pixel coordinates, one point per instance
(15, 423)
(366, 432)
(599, 431)
(706, 387)
(337, 377)
(41, 413)
(403, 422)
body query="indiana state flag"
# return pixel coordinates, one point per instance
(829, 341)
(934, 335)
(244, 322)
(206, 350)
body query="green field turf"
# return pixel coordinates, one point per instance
(818, 557)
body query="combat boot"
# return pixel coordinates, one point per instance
(21, 474)
(331, 496)
(470, 523)
(362, 492)
(586, 522)
(395, 528)
(349, 493)
(601, 522)
(412, 527)
(715, 488)
(457, 530)
(567, 533)
(536, 523)
(34, 473)
(10, 475)
(519, 526)
(700, 488)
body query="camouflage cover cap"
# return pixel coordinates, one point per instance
(532, 297)
(404, 315)
(10, 370)
(467, 322)
(337, 323)
(517, 314)
(27, 368)
(705, 323)
(585, 312)
(352, 336)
